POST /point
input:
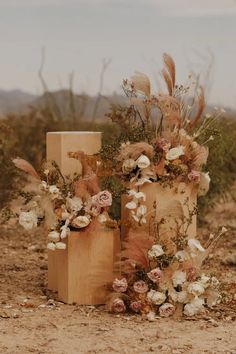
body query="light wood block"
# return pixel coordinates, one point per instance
(60, 143)
(86, 267)
(166, 199)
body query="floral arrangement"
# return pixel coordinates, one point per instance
(163, 140)
(60, 203)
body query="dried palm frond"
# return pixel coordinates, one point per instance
(133, 151)
(26, 167)
(168, 73)
(135, 248)
(141, 83)
(201, 107)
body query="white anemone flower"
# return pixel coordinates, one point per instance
(131, 205)
(143, 161)
(175, 153)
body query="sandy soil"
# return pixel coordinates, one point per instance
(32, 321)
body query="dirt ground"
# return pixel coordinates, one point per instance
(32, 321)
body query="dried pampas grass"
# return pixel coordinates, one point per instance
(141, 83)
(168, 73)
(25, 166)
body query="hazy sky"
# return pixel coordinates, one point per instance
(78, 34)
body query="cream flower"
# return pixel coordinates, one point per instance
(204, 184)
(155, 251)
(131, 205)
(143, 161)
(178, 296)
(137, 195)
(54, 236)
(54, 191)
(141, 211)
(142, 181)
(194, 307)
(194, 245)
(181, 256)
(81, 221)
(65, 231)
(166, 310)
(74, 204)
(156, 297)
(51, 246)
(102, 218)
(196, 288)
(128, 166)
(205, 280)
(175, 153)
(151, 316)
(178, 278)
(60, 246)
(28, 219)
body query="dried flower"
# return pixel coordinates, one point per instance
(128, 166)
(54, 236)
(54, 191)
(60, 246)
(102, 218)
(181, 256)
(175, 153)
(196, 288)
(194, 307)
(178, 278)
(65, 231)
(118, 306)
(51, 246)
(155, 251)
(194, 245)
(151, 316)
(120, 285)
(28, 219)
(156, 297)
(166, 309)
(131, 205)
(191, 273)
(81, 221)
(163, 144)
(74, 204)
(140, 287)
(143, 161)
(155, 275)
(103, 199)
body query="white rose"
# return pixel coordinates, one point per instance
(54, 236)
(204, 184)
(128, 166)
(179, 296)
(181, 256)
(194, 245)
(28, 219)
(51, 246)
(74, 204)
(196, 288)
(194, 307)
(54, 191)
(175, 153)
(155, 251)
(143, 161)
(156, 297)
(131, 205)
(81, 221)
(60, 246)
(178, 278)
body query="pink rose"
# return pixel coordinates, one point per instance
(155, 275)
(135, 306)
(118, 306)
(140, 287)
(120, 285)
(166, 310)
(163, 144)
(191, 274)
(102, 199)
(194, 176)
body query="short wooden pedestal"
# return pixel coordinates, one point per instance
(80, 274)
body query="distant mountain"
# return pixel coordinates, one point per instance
(15, 101)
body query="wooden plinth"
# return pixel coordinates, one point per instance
(169, 202)
(80, 273)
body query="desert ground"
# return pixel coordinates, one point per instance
(33, 321)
